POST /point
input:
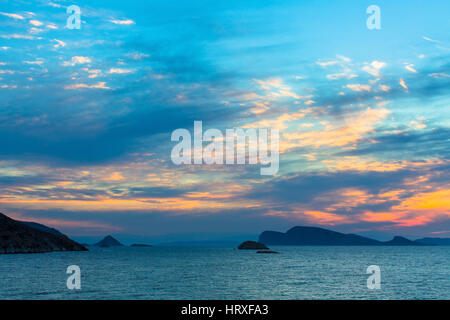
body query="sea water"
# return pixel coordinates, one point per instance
(227, 273)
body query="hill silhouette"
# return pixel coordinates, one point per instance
(108, 241)
(401, 241)
(18, 237)
(314, 236)
(44, 228)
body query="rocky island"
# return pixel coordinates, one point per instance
(140, 245)
(252, 245)
(20, 237)
(314, 236)
(108, 241)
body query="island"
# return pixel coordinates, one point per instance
(252, 245)
(107, 242)
(401, 241)
(314, 236)
(20, 237)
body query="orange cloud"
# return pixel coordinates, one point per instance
(354, 163)
(420, 209)
(115, 176)
(326, 218)
(334, 135)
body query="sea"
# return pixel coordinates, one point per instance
(194, 273)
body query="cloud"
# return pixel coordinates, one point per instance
(337, 76)
(115, 176)
(416, 125)
(275, 89)
(138, 56)
(321, 217)
(374, 68)
(13, 15)
(55, 5)
(327, 63)
(358, 87)
(367, 164)
(431, 40)
(99, 85)
(64, 224)
(120, 71)
(77, 60)
(122, 22)
(343, 58)
(19, 36)
(36, 23)
(59, 43)
(403, 84)
(93, 73)
(36, 62)
(438, 75)
(384, 88)
(269, 83)
(5, 86)
(410, 68)
(34, 30)
(419, 209)
(353, 130)
(410, 144)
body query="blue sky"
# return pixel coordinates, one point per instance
(86, 115)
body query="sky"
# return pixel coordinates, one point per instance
(86, 115)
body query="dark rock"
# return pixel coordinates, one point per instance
(17, 237)
(252, 245)
(108, 241)
(140, 245)
(266, 251)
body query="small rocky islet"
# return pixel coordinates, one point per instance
(253, 245)
(108, 241)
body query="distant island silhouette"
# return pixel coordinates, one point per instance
(108, 241)
(314, 236)
(252, 245)
(29, 237)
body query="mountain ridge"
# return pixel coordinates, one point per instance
(315, 236)
(44, 228)
(18, 237)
